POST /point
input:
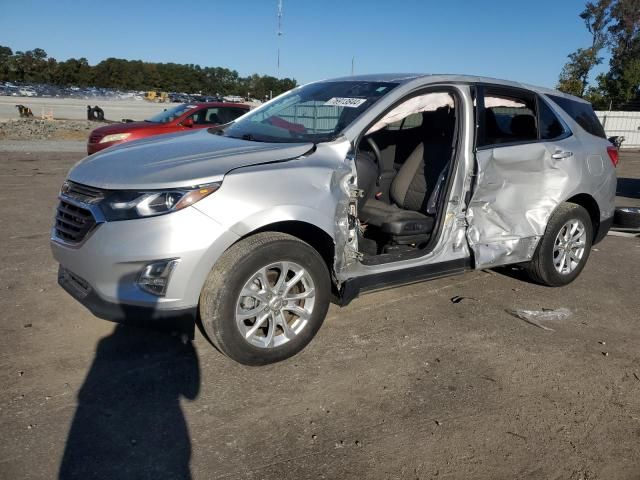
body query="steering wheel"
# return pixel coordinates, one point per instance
(376, 151)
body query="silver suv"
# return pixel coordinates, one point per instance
(332, 189)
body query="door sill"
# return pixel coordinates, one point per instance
(352, 287)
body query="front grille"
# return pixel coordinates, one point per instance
(82, 193)
(73, 223)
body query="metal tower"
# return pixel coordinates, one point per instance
(279, 33)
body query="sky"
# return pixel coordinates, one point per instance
(515, 40)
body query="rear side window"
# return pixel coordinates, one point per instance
(216, 115)
(229, 114)
(508, 117)
(550, 126)
(582, 114)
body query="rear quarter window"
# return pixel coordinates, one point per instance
(551, 127)
(582, 114)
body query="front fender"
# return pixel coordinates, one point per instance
(283, 213)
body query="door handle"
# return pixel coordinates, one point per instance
(560, 155)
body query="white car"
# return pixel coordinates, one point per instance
(27, 92)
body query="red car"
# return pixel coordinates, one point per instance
(179, 118)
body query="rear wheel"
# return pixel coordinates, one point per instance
(265, 299)
(564, 249)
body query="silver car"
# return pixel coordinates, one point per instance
(332, 189)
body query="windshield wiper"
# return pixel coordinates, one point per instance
(245, 136)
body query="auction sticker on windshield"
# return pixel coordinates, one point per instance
(345, 102)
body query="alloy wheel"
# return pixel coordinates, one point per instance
(568, 248)
(275, 304)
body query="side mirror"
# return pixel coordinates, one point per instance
(187, 122)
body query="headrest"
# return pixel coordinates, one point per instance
(438, 123)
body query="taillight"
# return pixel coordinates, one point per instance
(613, 155)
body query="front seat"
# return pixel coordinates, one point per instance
(404, 220)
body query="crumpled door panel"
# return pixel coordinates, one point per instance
(516, 190)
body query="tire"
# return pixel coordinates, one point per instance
(542, 268)
(627, 217)
(243, 269)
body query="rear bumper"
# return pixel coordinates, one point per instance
(603, 229)
(181, 320)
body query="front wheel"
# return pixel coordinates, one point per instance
(265, 298)
(564, 249)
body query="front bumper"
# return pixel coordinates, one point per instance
(111, 257)
(181, 320)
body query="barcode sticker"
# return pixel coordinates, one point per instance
(345, 102)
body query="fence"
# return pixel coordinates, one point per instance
(316, 117)
(626, 124)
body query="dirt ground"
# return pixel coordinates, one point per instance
(401, 384)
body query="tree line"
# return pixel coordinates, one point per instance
(35, 66)
(614, 26)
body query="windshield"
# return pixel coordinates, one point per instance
(317, 112)
(171, 114)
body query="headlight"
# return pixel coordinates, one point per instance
(127, 205)
(114, 137)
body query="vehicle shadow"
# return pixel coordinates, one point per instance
(128, 423)
(628, 187)
(515, 272)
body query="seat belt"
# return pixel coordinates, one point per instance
(432, 203)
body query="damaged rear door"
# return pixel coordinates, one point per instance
(522, 171)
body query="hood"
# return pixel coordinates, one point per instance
(124, 127)
(177, 160)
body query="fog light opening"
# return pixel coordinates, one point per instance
(154, 278)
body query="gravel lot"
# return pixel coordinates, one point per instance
(33, 129)
(76, 109)
(401, 384)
